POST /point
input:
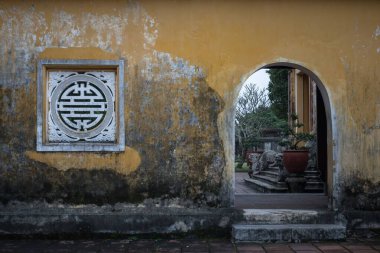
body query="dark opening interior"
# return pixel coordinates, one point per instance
(321, 136)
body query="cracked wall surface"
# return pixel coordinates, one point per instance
(173, 149)
(185, 63)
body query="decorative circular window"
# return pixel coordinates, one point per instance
(82, 106)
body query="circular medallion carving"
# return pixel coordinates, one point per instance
(82, 106)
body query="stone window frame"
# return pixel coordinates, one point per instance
(45, 65)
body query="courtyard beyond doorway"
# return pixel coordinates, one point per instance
(246, 198)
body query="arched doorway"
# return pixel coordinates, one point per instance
(323, 126)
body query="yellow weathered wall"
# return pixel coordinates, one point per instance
(222, 42)
(339, 42)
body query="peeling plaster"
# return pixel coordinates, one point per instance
(25, 32)
(150, 32)
(179, 226)
(178, 68)
(377, 32)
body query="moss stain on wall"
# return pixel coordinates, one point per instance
(173, 148)
(185, 64)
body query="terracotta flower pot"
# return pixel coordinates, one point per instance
(295, 161)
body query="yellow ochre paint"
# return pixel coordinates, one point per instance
(124, 163)
(227, 40)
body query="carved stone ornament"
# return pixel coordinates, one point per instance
(79, 110)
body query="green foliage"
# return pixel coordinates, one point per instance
(278, 92)
(293, 138)
(241, 167)
(253, 113)
(239, 162)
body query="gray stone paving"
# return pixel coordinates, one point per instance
(182, 246)
(245, 197)
(244, 194)
(240, 186)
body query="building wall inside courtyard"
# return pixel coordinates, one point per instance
(302, 100)
(185, 63)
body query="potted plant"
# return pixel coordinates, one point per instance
(296, 156)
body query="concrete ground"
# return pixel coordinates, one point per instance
(240, 186)
(246, 197)
(174, 246)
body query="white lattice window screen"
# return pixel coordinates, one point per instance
(81, 106)
(81, 109)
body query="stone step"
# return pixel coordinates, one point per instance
(286, 216)
(270, 173)
(316, 183)
(270, 180)
(312, 172)
(314, 187)
(313, 178)
(288, 232)
(263, 186)
(276, 169)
